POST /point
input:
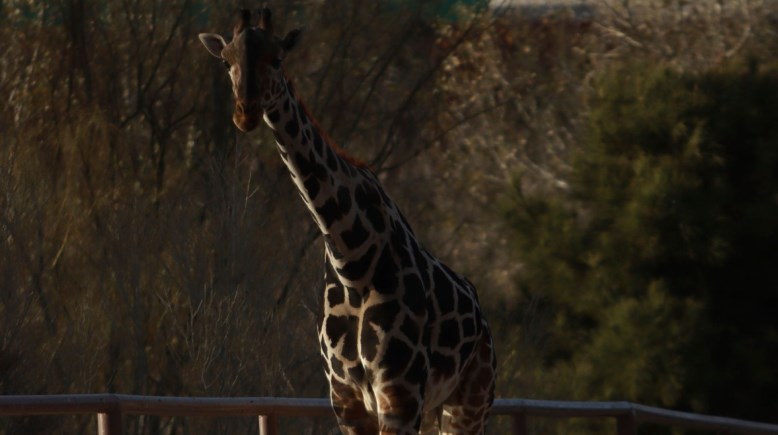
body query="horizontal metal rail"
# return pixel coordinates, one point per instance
(628, 415)
(110, 409)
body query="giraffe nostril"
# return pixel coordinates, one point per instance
(246, 108)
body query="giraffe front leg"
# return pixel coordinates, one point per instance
(467, 410)
(399, 409)
(348, 404)
(430, 422)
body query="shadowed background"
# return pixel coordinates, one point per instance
(605, 172)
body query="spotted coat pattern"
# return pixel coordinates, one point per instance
(405, 345)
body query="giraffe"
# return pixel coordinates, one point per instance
(405, 345)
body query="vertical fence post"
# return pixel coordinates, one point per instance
(268, 424)
(519, 424)
(626, 424)
(109, 422)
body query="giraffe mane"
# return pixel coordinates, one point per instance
(342, 153)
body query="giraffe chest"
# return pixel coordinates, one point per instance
(420, 333)
(357, 332)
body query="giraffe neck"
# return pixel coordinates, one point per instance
(344, 197)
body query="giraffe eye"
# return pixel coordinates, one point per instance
(226, 64)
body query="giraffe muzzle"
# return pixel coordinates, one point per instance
(247, 115)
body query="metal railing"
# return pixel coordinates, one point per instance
(111, 408)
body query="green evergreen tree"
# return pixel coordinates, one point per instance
(656, 269)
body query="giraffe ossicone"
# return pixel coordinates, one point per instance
(406, 348)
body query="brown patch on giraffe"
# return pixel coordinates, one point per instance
(475, 400)
(398, 403)
(349, 408)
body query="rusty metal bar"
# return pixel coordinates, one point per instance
(109, 423)
(224, 406)
(111, 408)
(268, 424)
(689, 420)
(519, 424)
(626, 425)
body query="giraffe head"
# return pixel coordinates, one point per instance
(253, 59)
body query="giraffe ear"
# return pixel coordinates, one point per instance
(290, 40)
(214, 43)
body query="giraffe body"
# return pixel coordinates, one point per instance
(404, 342)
